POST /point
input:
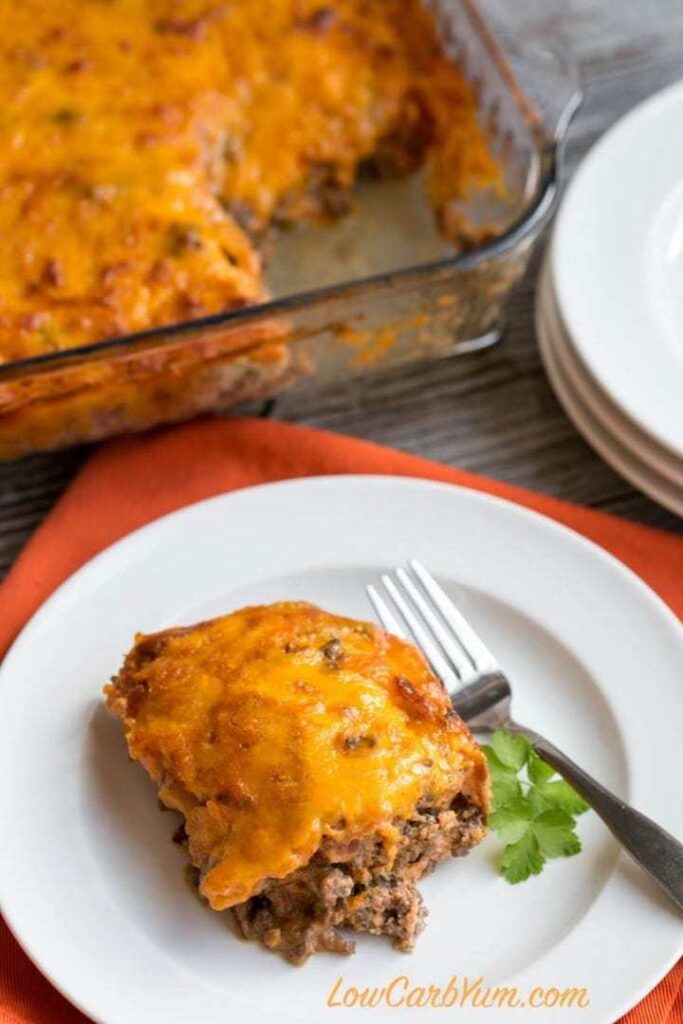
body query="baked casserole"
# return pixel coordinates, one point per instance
(147, 146)
(319, 766)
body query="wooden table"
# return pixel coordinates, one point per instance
(493, 413)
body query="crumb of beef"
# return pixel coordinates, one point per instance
(351, 886)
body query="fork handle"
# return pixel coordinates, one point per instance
(652, 847)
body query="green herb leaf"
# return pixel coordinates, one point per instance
(505, 790)
(512, 749)
(496, 767)
(533, 815)
(512, 821)
(537, 769)
(537, 801)
(560, 794)
(555, 833)
(522, 859)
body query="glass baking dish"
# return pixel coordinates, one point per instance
(380, 287)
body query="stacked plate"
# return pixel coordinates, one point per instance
(610, 301)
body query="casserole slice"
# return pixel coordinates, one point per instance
(318, 764)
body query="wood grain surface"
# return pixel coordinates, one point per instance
(494, 412)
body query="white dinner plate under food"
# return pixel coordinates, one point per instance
(617, 265)
(92, 885)
(642, 445)
(617, 450)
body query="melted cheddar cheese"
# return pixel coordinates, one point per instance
(277, 727)
(145, 144)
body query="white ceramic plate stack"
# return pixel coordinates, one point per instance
(610, 302)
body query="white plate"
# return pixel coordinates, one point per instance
(90, 881)
(643, 446)
(619, 455)
(617, 262)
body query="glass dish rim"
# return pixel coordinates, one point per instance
(533, 216)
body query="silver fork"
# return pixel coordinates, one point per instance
(481, 694)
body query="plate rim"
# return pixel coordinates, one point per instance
(609, 415)
(641, 475)
(627, 575)
(512, 506)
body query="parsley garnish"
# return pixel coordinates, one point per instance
(533, 816)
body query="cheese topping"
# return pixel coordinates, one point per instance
(145, 143)
(275, 727)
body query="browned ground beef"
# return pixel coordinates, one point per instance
(349, 886)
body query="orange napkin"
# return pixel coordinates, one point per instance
(130, 481)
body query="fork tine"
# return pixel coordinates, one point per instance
(460, 662)
(422, 638)
(470, 642)
(385, 616)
